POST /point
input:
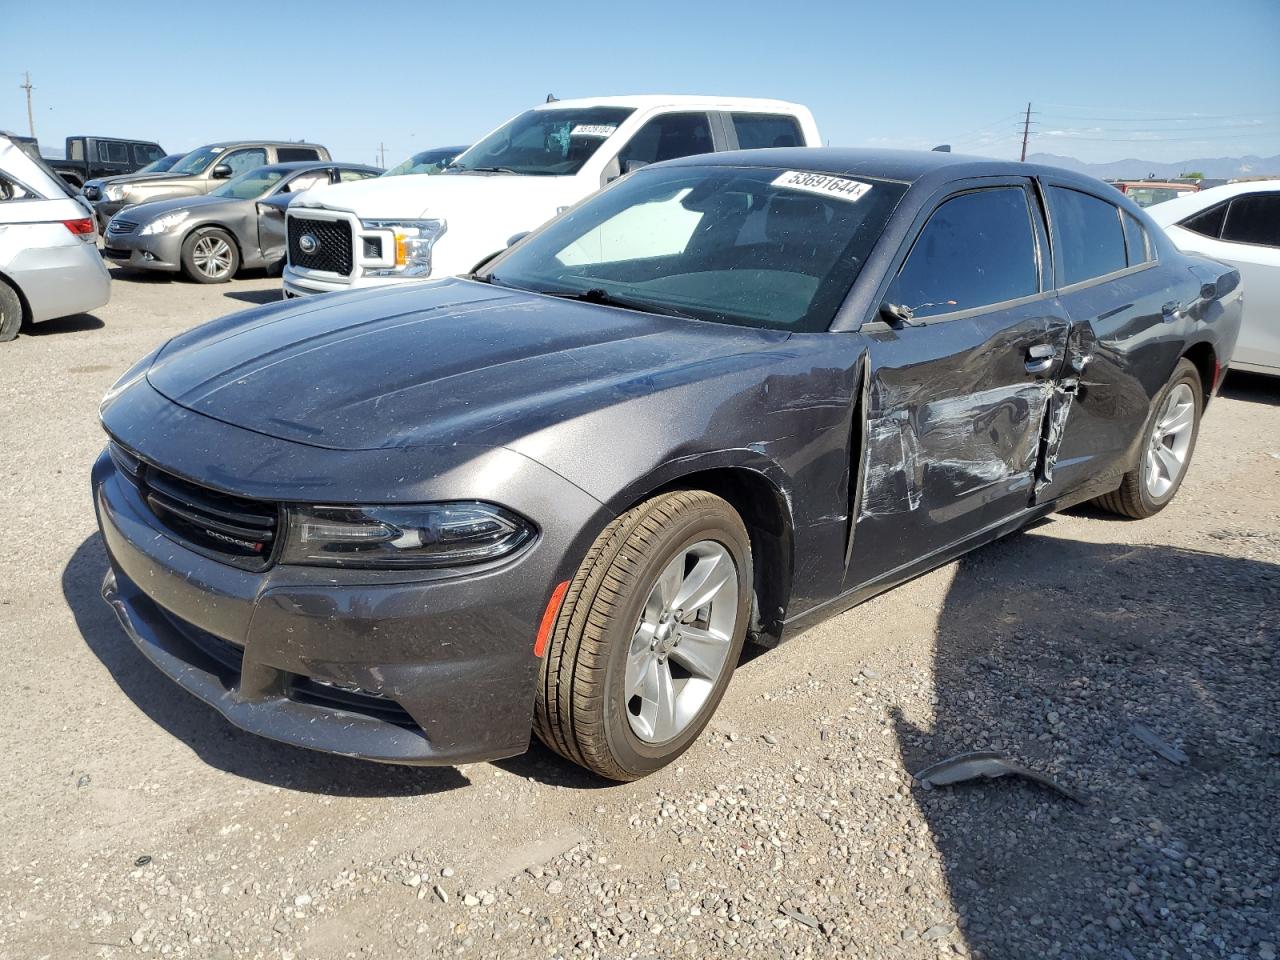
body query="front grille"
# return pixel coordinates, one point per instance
(235, 530)
(92, 193)
(332, 252)
(322, 693)
(119, 228)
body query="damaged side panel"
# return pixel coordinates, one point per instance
(955, 432)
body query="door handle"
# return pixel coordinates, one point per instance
(1040, 357)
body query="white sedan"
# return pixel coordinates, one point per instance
(1238, 223)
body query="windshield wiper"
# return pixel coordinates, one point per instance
(607, 299)
(491, 169)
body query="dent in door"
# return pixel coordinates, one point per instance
(975, 440)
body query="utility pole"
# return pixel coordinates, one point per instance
(1026, 130)
(382, 154)
(31, 123)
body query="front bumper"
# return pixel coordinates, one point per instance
(154, 251)
(434, 670)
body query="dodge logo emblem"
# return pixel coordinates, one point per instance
(308, 244)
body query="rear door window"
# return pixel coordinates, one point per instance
(289, 154)
(113, 151)
(667, 137)
(977, 249)
(1090, 238)
(759, 130)
(1207, 223)
(242, 161)
(1255, 219)
(1136, 244)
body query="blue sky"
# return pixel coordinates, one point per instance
(1107, 80)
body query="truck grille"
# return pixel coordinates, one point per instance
(234, 530)
(91, 192)
(332, 251)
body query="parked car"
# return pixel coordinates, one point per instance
(535, 165)
(1239, 224)
(88, 158)
(427, 161)
(49, 263)
(414, 524)
(1146, 193)
(93, 189)
(240, 224)
(200, 171)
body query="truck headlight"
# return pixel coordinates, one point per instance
(115, 191)
(445, 534)
(412, 241)
(164, 223)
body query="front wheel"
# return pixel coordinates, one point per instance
(10, 313)
(1168, 442)
(209, 255)
(648, 636)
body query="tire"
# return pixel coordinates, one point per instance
(210, 255)
(1151, 485)
(10, 313)
(605, 626)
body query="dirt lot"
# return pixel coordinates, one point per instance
(135, 821)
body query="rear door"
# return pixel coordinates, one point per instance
(955, 402)
(1127, 330)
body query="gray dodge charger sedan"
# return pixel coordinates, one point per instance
(240, 224)
(724, 398)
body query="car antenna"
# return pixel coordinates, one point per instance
(552, 98)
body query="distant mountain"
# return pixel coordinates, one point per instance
(1211, 167)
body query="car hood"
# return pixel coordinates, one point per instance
(388, 198)
(143, 212)
(136, 178)
(439, 362)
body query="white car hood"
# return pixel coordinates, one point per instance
(442, 195)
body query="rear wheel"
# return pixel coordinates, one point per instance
(1168, 443)
(209, 255)
(10, 313)
(648, 636)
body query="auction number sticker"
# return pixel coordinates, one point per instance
(823, 184)
(593, 130)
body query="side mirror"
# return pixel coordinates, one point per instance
(517, 237)
(631, 166)
(276, 202)
(221, 172)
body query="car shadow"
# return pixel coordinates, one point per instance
(212, 738)
(1251, 387)
(259, 297)
(78, 323)
(1048, 651)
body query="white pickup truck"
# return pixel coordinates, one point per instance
(396, 229)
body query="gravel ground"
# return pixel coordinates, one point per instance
(136, 822)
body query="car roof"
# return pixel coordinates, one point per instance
(906, 166)
(310, 164)
(1171, 211)
(266, 143)
(642, 101)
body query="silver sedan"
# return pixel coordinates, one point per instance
(210, 238)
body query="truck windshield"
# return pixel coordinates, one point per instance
(428, 161)
(197, 160)
(546, 143)
(749, 246)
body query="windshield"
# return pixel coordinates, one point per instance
(428, 161)
(751, 246)
(251, 185)
(554, 142)
(197, 160)
(162, 164)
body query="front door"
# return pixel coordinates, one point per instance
(956, 398)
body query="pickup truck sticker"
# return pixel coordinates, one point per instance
(823, 184)
(593, 130)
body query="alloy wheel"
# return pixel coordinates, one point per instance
(212, 257)
(1170, 441)
(681, 644)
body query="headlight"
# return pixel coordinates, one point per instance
(116, 191)
(422, 535)
(412, 241)
(163, 223)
